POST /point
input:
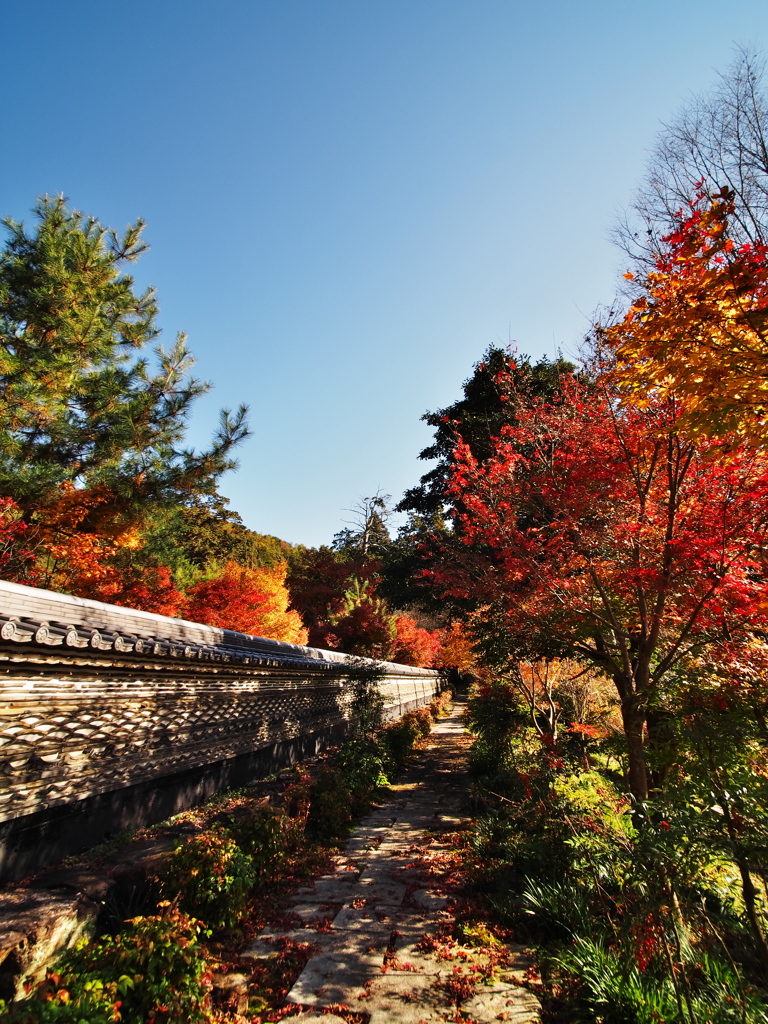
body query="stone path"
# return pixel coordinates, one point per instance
(370, 917)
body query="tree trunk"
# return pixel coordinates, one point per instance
(748, 890)
(661, 739)
(634, 721)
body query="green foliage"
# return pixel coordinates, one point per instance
(201, 535)
(330, 807)
(210, 876)
(402, 561)
(400, 738)
(562, 908)
(364, 764)
(614, 990)
(495, 713)
(615, 894)
(259, 834)
(367, 699)
(363, 627)
(155, 972)
(90, 1003)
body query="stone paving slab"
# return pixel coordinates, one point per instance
(425, 899)
(309, 912)
(380, 918)
(331, 890)
(381, 910)
(331, 943)
(382, 891)
(502, 1001)
(317, 1018)
(335, 978)
(404, 999)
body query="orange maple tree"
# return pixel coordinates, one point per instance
(457, 648)
(78, 539)
(413, 644)
(247, 600)
(698, 330)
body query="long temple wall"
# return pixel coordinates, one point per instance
(113, 718)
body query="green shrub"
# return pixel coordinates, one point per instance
(422, 719)
(211, 877)
(330, 807)
(490, 767)
(441, 704)
(399, 740)
(153, 973)
(259, 834)
(496, 713)
(88, 1004)
(364, 764)
(613, 990)
(367, 698)
(562, 908)
(296, 803)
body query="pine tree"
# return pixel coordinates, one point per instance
(77, 406)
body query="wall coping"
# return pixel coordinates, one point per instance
(37, 618)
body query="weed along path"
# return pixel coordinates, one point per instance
(393, 939)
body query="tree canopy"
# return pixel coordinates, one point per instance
(608, 535)
(696, 330)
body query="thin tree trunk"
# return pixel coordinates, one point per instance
(634, 721)
(748, 890)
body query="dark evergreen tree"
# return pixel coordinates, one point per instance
(476, 418)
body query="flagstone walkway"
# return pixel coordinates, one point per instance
(370, 917)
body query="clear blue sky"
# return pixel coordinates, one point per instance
(349, 200)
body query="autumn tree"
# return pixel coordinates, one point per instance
(605, 534)
(17, 559)
(80, 549)
(247, 600)
(558, 691)
(363, 626)
(413, 644)
(476, 419)
(697, 330)
(319, 579)
(76, 404)
(457, 648)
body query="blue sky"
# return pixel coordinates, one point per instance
(349, 200)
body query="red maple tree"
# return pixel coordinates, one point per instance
(598, 530)
(414, 645)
